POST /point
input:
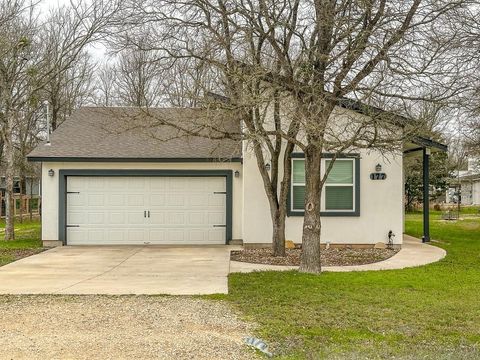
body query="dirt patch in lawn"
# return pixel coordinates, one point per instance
(330, 257)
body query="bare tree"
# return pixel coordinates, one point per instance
(69, 85)
(137, 78)
(313, 56)
(28, 64)
(69, 89)
(104, 89)
(15, 83)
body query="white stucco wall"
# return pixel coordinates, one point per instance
(471, 192)
(381, 206)
(50, 187)
(476, 192)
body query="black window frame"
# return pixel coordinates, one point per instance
(332, 213)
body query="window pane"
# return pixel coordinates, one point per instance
(341, 173)
(339, 197)
(298, 171)
(298, 198)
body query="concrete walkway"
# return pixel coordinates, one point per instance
(413, 253)
(114, 270)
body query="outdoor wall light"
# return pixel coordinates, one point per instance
(378, 168)
(268, 166)
(237, 173)
(51, 172)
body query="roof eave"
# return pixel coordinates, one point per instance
(130, 159)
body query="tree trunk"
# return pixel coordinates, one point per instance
(9, 200)
(278, 234)
(310, 258)
(30, 209)
(22, 186)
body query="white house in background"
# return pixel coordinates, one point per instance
(470, 183)
(104, 183)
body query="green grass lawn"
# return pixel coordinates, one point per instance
(27, 241)
(429, 312)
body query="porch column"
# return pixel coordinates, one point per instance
(426, 195)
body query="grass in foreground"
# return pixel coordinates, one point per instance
(429, 312)
(27, 241)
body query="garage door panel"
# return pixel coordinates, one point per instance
(216, 236)
(176, 236)
(177, 184)
(156, 236)
(136, 200)
(157, 200)
(197, 218)
(116, 218)
(197, 235)
(135, 217)
(77, 184)
(175, 218)
(116, 183)
(216, 218)
(95, 235)
(75, 218)
(198, 199)
(116, 236)
(160, 184)
(157, 217)
(137, 235)
(76, 235)
(216, 184)
(96, 199)
(135, 184)
(110, 210)
(175, 200)
(96, 218)
(215, 200)
(197, 184)
(77, 199)
(96, 183)
(116, 199)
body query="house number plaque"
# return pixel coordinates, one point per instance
(378, 176)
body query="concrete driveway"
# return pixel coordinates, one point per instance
(115, 270)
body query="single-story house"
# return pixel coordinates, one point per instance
(469, 183)
(26, 190)
(31, 185)
(105, 181)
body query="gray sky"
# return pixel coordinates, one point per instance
(98, 51)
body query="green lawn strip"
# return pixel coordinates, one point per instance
(427, 312)
(464, 210)
(27, 241)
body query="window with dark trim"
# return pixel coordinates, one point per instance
(340, 195)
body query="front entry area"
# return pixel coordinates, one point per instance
(143, 210)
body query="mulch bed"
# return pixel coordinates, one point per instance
(329, 257)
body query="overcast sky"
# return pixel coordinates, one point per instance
(97, 50)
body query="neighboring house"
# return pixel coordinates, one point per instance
(31, 186)
(30, 190)
(105, 181)
(469, 184)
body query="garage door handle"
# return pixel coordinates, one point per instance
(145, 213)
(73, 225)
(219, 225)
(219, 192)
(149, 213)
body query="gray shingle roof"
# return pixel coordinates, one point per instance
(131, 133)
